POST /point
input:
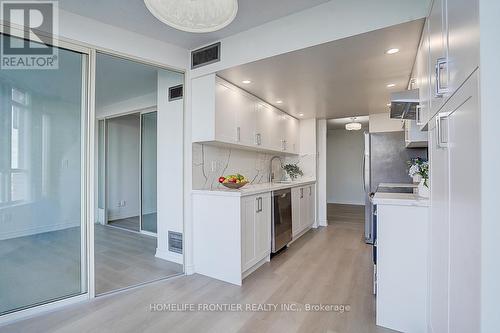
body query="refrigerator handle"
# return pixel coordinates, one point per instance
(363, 171)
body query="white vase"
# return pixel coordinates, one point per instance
(423, 191)
(417, 179)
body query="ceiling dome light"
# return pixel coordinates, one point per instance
(353, 126)
(194, 15)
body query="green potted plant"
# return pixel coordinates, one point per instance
(293, 171)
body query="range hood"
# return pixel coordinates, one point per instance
(404, 104)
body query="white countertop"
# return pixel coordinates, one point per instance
(251, 189)
(400, 199)
(398, 185)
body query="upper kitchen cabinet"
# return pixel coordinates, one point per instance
(438, 56)
(422, 71)
(291, 138)
(448, 53)
(225, 114)
(463, 40)
(267, 118)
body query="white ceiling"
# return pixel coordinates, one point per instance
(133, 15)
(343, 78)
(339, 123)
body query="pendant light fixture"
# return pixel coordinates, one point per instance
(194, 15)
(353, 125)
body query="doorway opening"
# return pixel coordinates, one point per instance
(126, 238)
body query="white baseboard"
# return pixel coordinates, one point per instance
(356, 203)
(323, 223)
(118, 215)
(38, 230)
(189, 270)
(169, 256)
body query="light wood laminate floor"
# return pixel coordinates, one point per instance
(331, 265)
(345, 213)
(124, 259)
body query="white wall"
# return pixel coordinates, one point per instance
(321, 24)
(381, 122)
(170, 172)
(123, 167)
(344, 167)
(322, 179)
(107, 37)
(489, 12)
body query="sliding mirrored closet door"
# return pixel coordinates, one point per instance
(42, 192)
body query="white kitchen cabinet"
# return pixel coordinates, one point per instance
(231, 233)
(225, 114)
(267, 120)
(465, 208)
(455, 213)
(226, 122)
(438, 42)
(246, 120)
(402, 236)
(439, 235)
(414, 137)
(291, 139)
(256, 229)
(463, 40)
(236, 117)
(303, 209)
(423, 79)
(451, 40)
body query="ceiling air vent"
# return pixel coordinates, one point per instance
(175, 93)
(206, 55)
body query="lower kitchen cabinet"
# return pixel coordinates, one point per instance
(255, 229)
(231, 233)
(402, 280)
(303, 209)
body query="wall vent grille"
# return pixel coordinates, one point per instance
(206, 55)
(175, 242)
(175, 93)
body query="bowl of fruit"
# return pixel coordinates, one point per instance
(233, 181)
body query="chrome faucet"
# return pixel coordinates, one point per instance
(271, 173)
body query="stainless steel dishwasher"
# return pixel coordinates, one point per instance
(282, 219)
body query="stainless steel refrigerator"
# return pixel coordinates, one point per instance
(385, 161)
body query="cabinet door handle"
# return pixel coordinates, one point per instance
(238, 134)
(310, 190)
(258, 140)
(441, 64)
(301, 193)
(439, 130)
(419, 119)
(259, 205)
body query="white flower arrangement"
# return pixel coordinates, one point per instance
(420, 167)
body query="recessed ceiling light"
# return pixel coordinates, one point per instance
(301, 115)
(246, 81)
(390, 85)
(392, 51)
(279, 101)
(194, 16)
